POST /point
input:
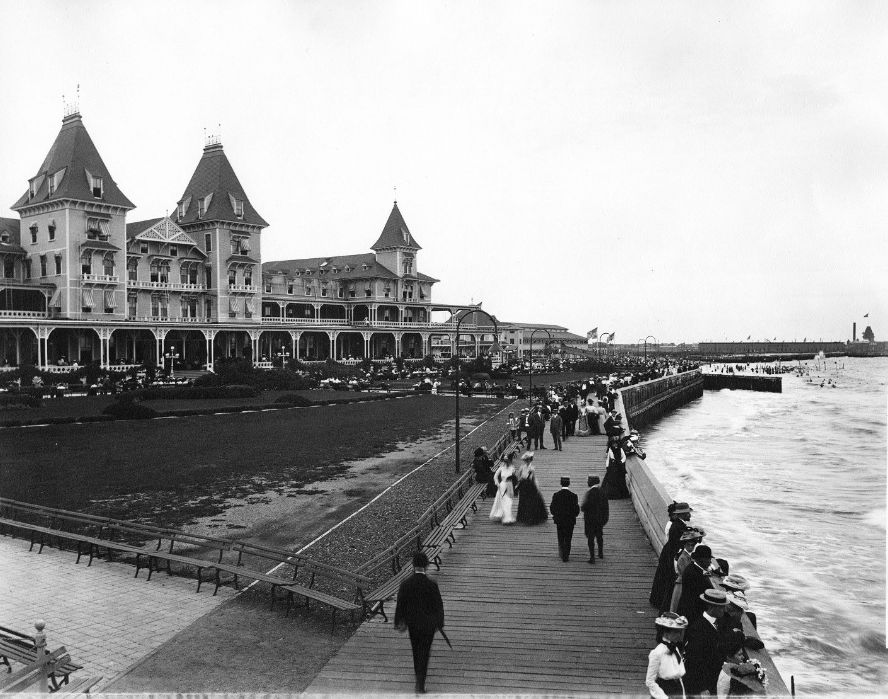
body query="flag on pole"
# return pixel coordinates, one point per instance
(592, 334)
(775, 337)
(611, 337)
(749, 338)
(805, 340)
(866, 315)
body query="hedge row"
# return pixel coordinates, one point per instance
(197, 392)
(13, 400)
(127, 409)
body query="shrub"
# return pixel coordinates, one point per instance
(125, 408)
(198, 392)
(295, 400)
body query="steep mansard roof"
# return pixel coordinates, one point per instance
(395, 234)
(215, 176)
(74, 152)
(355, 263)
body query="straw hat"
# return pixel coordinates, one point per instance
(527, 456)
(738, 599)
(735, 582)
(671, 620)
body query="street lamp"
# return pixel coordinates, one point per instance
(496, 336)
(171, 356)
(283, 355)
(646, 346)
(530, 378)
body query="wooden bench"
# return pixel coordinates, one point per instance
(374, 602)
(20, 648)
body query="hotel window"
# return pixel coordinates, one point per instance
(43, 265)
(351, 291)
(209, 307)
(290, 288)
(237, 205)
(387, 291)
(8, 268)
(248, 276)
(232, 277)
(183, 273)
(193, 274)
(164, 307)
(340, 291)
(132, 270)
(164, 269)
(154, 272)
(408, 265)
(27, 269)
(155, 306)
(268, 288)
(97, 189)
(33, 186)
(203, 205)
(143, 248)
(208, 241)
(324, 289)
(235, 246)
(85, 263)
(174, 251)
(208, 276)
(108, 265)
(33, 230)
(132, 305)
(368, 290)
(55, 180)
(50, 228)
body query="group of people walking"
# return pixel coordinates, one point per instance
(702, 639)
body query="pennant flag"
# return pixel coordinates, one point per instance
(775, 337)
(611, 338)
(805, 340)
(592, 334)
(866, 315)
(749, 338)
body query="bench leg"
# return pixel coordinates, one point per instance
(31, 547)
(289, 602)
(474, 506)
(437, 561)
(382, 611)
(150, 567)
(138, 564)
(5, 661)
(199, 577)
(80, 553)
(273, 597)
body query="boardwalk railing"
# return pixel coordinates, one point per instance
(651, 500)
(644, 402)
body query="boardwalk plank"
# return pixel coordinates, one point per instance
(519, 618)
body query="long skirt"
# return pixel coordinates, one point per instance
(502, 507)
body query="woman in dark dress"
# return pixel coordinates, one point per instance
(614, 483)
(484, 471)
(664, 578)
(531, 506)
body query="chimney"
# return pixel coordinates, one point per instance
(854, 332)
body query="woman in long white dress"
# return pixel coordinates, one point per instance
(505, 492)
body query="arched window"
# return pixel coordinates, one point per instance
(86, 263)
(108, 264)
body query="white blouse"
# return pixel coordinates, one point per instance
(665, 665)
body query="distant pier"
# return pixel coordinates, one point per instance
(768, 384)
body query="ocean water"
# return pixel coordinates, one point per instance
(791, 490)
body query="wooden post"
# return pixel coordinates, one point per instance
(40, 647)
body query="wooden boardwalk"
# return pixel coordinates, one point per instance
(521, 620)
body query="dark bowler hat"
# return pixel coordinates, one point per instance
(420, 560)
(702, 551)
(716, 597)
(565, 480)
(593, 480)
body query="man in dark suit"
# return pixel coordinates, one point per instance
(596, 511)
(420, 610)
(705, 653)
(564, 508)
(537, 425)
(694, 582)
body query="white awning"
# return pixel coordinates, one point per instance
(234, 304)
(56, 300)
(86, 298)
(110, 299)
(251, 305)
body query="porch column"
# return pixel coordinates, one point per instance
(426, 344)
(398, 337)
(332, 334)
(400, 314)
(254, 345)
(294, 336)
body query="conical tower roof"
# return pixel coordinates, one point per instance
(395, 234)
(214, 175)
(74, 152)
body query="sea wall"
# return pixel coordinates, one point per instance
(769, 384)
(651, 500)
(645, 402)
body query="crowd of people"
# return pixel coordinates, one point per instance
(702, 642)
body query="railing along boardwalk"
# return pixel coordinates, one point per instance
(519, 619)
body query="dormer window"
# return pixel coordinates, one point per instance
(348, 269)
(32, 189)
(237, 205)
(365, 267)
(183, 208)
(96, 186)
(4, 237)
(290, 288)
(203, 205)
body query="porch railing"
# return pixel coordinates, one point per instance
(23, 314)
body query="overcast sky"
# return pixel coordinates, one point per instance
(692, 171)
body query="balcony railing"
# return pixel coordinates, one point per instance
(172, 286)
(266, 320)
(249, 288)
(168, 319)
(100, 278)
(23, 314)
(359, 324)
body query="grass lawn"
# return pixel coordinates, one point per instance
(169, 471)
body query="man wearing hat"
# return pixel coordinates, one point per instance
(596, 512)
(705, 652)
(524, 425)
(420, 611)
(732, 621)
(694, 582)
(564, 508)
(556, 424)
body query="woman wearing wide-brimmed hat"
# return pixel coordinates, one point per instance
(504, 478)
(531, 506)
(688, 541)
(666, 666)
(679, 513)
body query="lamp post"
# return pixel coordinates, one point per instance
(171, 356)
(530, 377)
(496, 341)
(283, 355)
(646, 346)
